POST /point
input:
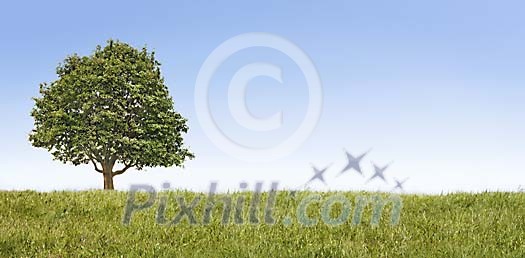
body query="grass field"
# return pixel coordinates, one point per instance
(89, 224)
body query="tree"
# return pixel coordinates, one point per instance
(111, 109)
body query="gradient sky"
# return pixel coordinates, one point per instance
(437, 87)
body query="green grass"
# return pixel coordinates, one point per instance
(89, 224)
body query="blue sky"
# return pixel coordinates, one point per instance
(434, 86)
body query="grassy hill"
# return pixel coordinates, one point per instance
(90, 224)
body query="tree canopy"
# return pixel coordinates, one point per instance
(109, 108)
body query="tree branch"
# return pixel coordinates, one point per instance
(122, 171)
(96, 166)
(113, 160)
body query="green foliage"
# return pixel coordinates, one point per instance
(89, 224)
(110, 107)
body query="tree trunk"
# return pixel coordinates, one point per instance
(108, 181)
(107, 171)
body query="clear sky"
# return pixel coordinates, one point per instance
(437, 87)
